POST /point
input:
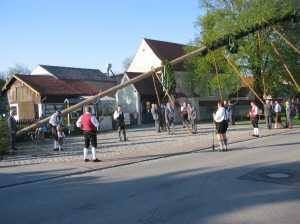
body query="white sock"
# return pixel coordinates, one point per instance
(85, 150)
(257, 131)
(254, 131)
(59, 147)
(94, 152)
(55, 144)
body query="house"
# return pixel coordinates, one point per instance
(44, 91)
(151, 53)
(40, 96)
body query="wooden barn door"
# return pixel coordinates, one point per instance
(26, 110)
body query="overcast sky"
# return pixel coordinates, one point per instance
(89, 33)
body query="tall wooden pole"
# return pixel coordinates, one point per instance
(262, 65)
(218, 78)
(158, 100)
(108, 92)
(282, 61)
(279, 34)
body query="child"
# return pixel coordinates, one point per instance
(60, 135)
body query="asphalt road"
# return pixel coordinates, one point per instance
(257, 181)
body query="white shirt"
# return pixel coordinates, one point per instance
(277, 108)
(54, 119)
(93, 120)
(116, 114)
(222, 114)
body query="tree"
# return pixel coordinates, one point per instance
(18, 68)
(168, 76)
(127, 62)
(228, 17)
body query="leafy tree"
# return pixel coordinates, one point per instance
(229, 17)
(168, 76)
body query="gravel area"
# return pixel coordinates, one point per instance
(140, 139)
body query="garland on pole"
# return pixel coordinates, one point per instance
(168, 77)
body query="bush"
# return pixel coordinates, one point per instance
(4, 138)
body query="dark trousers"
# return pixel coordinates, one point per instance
(54, 132)
(288, 123)
(254, 122)
(231, 119)
(12, 140)
(269, 120)
(157, 125)
(170, 123)
(194, 125)
(90, 137)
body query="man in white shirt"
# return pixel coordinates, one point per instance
(221, 117)
(56, 120)
(88, 123)
(277, 110)
(120, 118)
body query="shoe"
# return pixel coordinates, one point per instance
(125, 139)
(55, 149)
(257, 136)
(225, 149)
(61, 150)
(96, 160)
(253, 135)
(86, 160)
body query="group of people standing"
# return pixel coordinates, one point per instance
(164, 120)
(163, 117)
(273, 112)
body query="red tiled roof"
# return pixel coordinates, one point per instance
(167, 50)
(49, 85)
(146, 86)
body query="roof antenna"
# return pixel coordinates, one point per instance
(108, 68)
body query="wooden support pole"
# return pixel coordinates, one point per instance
(237, 71)
(279, 34)
(170, 98)
(158, 100)
(218, 78)
(262, 65)
(281, 59)
(108, 92)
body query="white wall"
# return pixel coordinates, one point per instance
(39, 71)
(144, 59)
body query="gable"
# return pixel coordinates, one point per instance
(153, 52)
(144, 59)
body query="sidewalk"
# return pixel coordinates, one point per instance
(145, 144)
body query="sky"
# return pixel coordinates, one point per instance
(89, 33)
